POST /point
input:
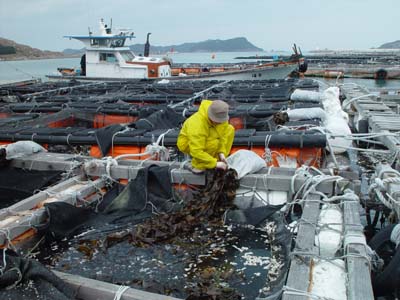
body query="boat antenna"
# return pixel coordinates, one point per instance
(295, 49)
(111, 24)
(90, 33)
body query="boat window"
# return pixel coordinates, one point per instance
(117, 43)
(98, 42)
(103, 43)
(127, 55)
(107, 57)
(94, 42)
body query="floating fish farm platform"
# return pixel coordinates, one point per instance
(380, 65)
(98, 203)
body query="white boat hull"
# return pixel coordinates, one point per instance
(263, 73)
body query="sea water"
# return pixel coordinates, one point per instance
(11, 71)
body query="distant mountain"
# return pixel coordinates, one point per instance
(391, 45)
(73, 52)
(239, 44)
(10, 50)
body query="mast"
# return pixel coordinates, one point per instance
(147, 46)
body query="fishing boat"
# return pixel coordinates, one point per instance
(108, 58)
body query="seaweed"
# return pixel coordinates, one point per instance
(188, 253)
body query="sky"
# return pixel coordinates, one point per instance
(311, 24)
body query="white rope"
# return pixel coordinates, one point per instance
(347, 102)
(3, 268)
(295, 292)
(395, 235)
(322, 83)
(151, 149)
(131, 155)
(364, 150)
(267, 154)
(110, 162)
(184, 112)
(379, 186)
(120, 291)
(311, 182)
(391, 171)
(114, 135)
(198, 94)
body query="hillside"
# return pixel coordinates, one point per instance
(239, 44)
(391, 45)
(10, 50)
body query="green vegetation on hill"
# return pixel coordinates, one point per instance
(4, 50)
(10, 50)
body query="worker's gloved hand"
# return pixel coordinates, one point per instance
(281, 118)
(222, 158)
(221, 165)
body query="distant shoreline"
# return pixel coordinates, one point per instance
(2, 57)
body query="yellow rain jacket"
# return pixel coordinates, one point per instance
(203, 141)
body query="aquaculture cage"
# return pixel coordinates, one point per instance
(123, 216)
(118, 118)
(183, 245)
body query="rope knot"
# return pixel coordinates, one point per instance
(379, 184)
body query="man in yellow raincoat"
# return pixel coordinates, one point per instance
(207, 136)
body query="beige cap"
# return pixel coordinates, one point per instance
(218, 111)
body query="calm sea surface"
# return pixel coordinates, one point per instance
(27, 69)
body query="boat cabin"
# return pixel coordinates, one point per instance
(107, 56)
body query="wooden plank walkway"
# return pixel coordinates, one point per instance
(22, 217)
(380, 117)
(299, 283)
(300, 270)
(366, 105)
(382, 120)
(278, 179)
(90, 289)
(357, 261)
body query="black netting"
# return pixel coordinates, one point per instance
(104, 137)
(26, 279)
(18, 184)
(146, 239)
(162, 118)
(122, 207)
